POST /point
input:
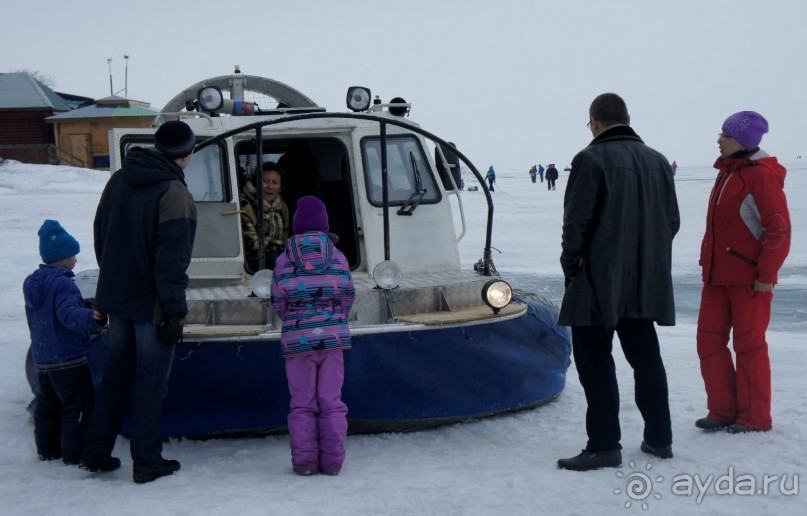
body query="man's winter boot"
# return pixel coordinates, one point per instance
(168, 467)
(104, 464)
(664, 452)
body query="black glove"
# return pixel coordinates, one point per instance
(170, 329)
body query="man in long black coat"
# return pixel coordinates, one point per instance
(620, 217)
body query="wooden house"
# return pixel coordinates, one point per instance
(82, 134)
(25, 103)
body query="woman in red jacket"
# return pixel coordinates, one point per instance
(746, 242)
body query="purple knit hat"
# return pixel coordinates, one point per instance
(310, 215)
(747, 127)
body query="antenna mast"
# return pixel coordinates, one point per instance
(126, 76)
(109, 65)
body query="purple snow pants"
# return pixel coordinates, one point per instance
(318, 417)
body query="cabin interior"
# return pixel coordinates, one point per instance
(311, 167)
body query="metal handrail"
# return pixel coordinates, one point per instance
(487, 267)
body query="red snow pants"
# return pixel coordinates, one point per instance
(739, 394)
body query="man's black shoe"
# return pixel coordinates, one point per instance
(168, 467)
(662, 453)
(104, 464)
(592, 460)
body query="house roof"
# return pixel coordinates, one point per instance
(109, 107)
(20, 90)
(74, 101)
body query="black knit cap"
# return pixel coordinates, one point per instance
(175, 139)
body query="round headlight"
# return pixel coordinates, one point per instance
(210, 98)
(497, 294)
(262, 284)
(387, 274)
(358, 98)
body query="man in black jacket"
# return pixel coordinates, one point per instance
(620, 217)
(551, 176)
(144, 231)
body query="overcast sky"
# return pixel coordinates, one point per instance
(509, 81)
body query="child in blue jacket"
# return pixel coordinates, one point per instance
(59, 324)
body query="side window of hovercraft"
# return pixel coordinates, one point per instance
(408, 171)
(204, 175)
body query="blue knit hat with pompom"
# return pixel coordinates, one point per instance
(56, 244)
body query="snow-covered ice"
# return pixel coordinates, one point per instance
(502, 465)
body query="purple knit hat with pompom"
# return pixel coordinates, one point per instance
(311, 215)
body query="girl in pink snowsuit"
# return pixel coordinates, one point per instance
(313, 292)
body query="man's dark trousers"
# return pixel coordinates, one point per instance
(592, 347)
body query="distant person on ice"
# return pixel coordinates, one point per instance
(746, 242)
(541, 172)
(618, 279)
(674, 167)
(533, 172)
(313, 292)
(60, 326)
(551, 176)
(491, 177)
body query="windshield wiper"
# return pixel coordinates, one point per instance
(410, 204)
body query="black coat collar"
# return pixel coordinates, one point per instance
(619, 132)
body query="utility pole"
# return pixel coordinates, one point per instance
(109, 65)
